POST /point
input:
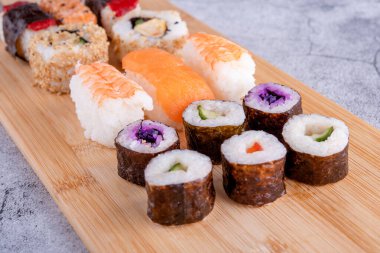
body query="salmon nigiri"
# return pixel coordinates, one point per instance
(106, 101)
(69, 11)
(171, 83)
(228, 68)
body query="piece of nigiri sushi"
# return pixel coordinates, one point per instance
(171, 83)
(69, 11)
(228, 68)
(106, 101)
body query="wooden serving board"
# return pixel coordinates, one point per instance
(109, 214)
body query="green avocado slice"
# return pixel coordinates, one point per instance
(324, 136)
(206, 114)
(139, 22)
(176, 167)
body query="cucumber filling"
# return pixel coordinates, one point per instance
(323, 136)
(207, 114)
(177, 167)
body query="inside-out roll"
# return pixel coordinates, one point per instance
(317, 149)
(138, 143)
(180, 187)
(253, 168)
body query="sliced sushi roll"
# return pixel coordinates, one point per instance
(54, 54)
(317, 149)
(228, 68)
(106, 101)
(69, 11)
(109, 11)
(21, 21)
(171, 84)
(253, 168)
(269, 106)
(138, 143)
(180, 187)
(162, 29)
(208, 123)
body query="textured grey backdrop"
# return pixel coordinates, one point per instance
(331, 45)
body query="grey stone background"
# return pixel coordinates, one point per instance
(331, 45)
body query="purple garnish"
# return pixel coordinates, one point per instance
(150, 135)
(271, 96)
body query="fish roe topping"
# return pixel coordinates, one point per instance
(106, 82)
(121, 7)
(216, 49)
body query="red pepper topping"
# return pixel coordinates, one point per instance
(254, 148)
(41, 24)
(121, 7)
(14, 5)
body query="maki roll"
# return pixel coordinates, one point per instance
(138, 143)
(21, 21)
(253, 168)
(171, 84)
(109, 11)
(226, 66)
(106, 101)
(208, 123)
(180, 187)
(162, 29)
(54, 54)
(317, 149)
(68, 11)
(269, 106)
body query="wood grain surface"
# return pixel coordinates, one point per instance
(109, 214)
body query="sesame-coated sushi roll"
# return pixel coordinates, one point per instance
(171, 84)
(138, 143)
(21, 21)
(317, 149)
(69, 11)
(180, 187)
(161, 29)
(54, 54)
(227, 67)
(253, 168)
(110, 11)
(208, 123)
(269, 106)
(106, 101)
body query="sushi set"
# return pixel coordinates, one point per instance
(188, 142)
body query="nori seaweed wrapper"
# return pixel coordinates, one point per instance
(207, 140)
(96, 7)
(16, 20)
(256, 184)
(131, 164)
(183, 203)
(272, 123)
(316, 170)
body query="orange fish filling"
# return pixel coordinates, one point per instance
(216, 49)
(106, 82)
(254, 148)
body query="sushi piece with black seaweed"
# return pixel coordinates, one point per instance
(180, 187)
(253, 168)
(138, 143)
(317, 149)
(269, 106)
(208, 123)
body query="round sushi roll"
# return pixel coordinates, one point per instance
(162, 29)
(253, 168)
(180, 187)
(208, 123)
(138, 143)
(317, 149)
(269, 106)
(20, 22)
(54, 54)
